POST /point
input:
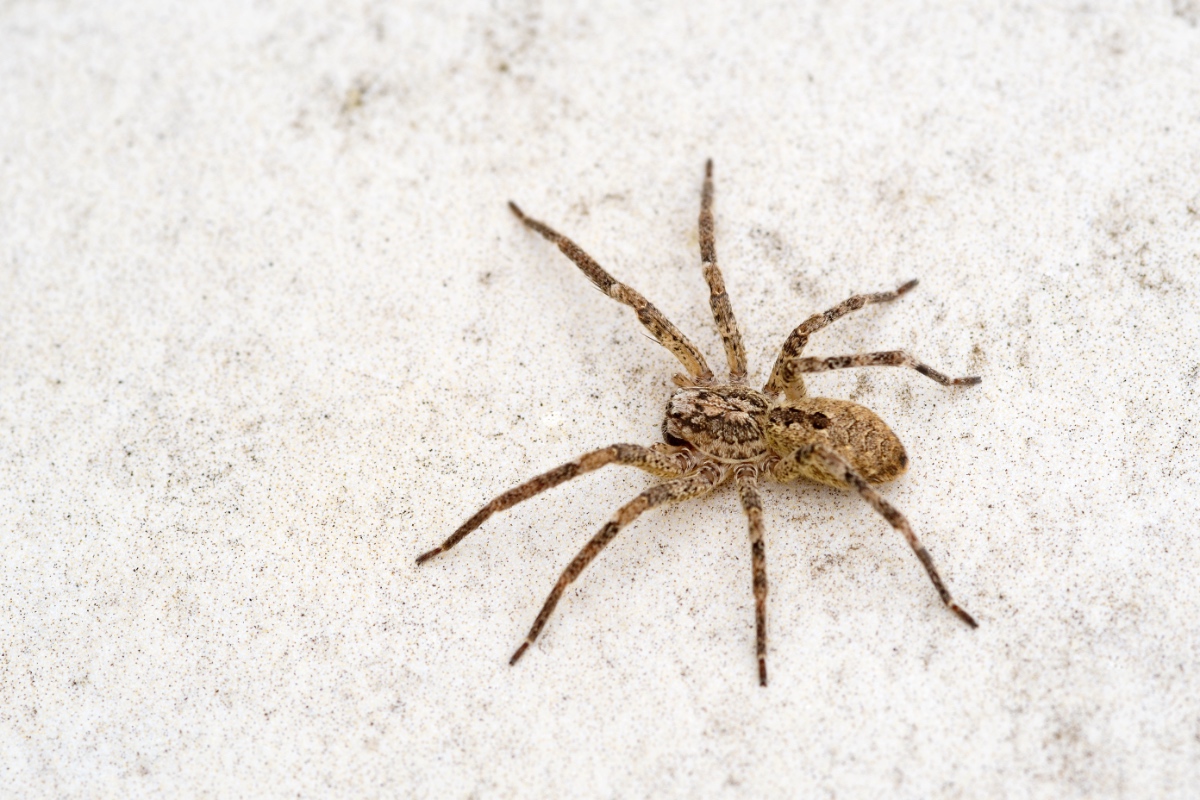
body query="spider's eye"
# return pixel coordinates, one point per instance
(819, 421)
(670, 439)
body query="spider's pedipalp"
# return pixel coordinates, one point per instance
(731, 335)
(707, 478)
(837, 466)
(633, 455)
(888, 358)
(659, 326)
(784, 380)
(747, 484)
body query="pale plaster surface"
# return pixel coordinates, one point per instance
(267, 331)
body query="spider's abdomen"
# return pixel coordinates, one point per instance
(856, 432)
(725, 422)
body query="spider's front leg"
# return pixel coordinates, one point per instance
(707, 478)
(661, 328)
(658, 463)
(722, 309)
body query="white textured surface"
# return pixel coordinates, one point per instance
(267, 331)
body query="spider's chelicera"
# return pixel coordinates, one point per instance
(720, 430)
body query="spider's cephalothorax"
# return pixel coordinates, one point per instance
(725, 423)
(714, 431)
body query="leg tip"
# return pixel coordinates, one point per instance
(520, 652)
(421, 559)
(516, 210)
(907, 286)
(708, 168)
(971, 381)
(762, 672)
(963, 615)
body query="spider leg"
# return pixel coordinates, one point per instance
(703, 481)
(781, 380)
(889, 358)
(731, 335)
(659, 326)
(632, 455)
(747, 484)
(840, 468)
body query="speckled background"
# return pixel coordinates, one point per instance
(267, 331)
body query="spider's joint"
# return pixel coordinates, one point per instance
(713, 473)
(745, 472)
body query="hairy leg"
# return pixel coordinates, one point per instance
(633, 455)
(747, 484)
(782, 379)
(731, 335)
(840, 468)
(659, 326)
(889, 358)
(704, 481)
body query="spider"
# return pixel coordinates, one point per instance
(720, 430)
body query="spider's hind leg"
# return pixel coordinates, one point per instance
(840, 468)
(888, 358)
(785, 379)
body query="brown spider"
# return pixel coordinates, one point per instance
(715, 429)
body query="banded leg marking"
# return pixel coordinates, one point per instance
(747, 484)
(841, 468)
(659, 326)
(632, 455)
(792, 383)
(731, 335)
(704, 481)
(887, 358)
